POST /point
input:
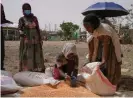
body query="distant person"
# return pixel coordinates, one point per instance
(30, 53)
(67, 60)
(3, 21)
(104, 47)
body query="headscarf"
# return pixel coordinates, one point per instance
(26, 5)
(69, 48)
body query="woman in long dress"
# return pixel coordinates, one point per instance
(30, 52)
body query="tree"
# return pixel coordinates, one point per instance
(60, 33)
(129, 17)
(68, 28)
(124, 20)
(124, 23)
(44, 34)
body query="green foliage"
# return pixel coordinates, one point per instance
(68, 28)
(60, 33)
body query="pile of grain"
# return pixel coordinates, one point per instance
(61, 90)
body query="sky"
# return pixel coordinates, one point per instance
(51, 12)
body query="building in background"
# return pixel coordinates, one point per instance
(11, 33)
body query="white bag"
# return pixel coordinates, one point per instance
(49, 71)
(5, 73)
(8, 85)
(28, 78)
(96, 81)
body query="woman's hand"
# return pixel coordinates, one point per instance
(32, 25)
(21, 38)
(101, 65)
(67, 77)
(41, 42)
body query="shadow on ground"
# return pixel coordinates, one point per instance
(126, 83)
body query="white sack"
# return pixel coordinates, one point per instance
(8, 85)
(96, 81)
(28, 78)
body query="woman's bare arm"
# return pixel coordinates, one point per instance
(91, 49)
(105, 53)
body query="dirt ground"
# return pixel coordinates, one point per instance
(51, 48)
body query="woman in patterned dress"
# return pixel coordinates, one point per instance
(30, 52)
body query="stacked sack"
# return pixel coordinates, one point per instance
(8, 85)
